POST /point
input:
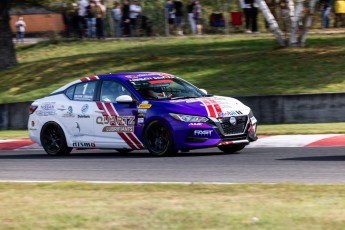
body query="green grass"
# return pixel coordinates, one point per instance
(224, 65)
(280, 129)
(71, 205)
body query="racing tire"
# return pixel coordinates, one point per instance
(53, 140)
(231, 149)
(158, 139)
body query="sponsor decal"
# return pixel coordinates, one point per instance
(84, 145)
(128, 137)
(142, 110)
(48, 106)
(203, 132)
(118, 129)
(145, 102)
(78, 127)
(195, 124)
(46, 109)
(144, 106)
(140, 120)
(69, 112)
(83, 116)
(140, 115)
(45, 113)
(115, 120)
(32, 124)
(229, 113)
(253, 120)
(84, 108)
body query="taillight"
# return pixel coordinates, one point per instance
(32, 109)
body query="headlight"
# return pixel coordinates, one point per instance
(188, 118)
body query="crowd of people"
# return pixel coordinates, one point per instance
(86, 18)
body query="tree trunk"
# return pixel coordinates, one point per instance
(271, 22)
(307, 22)
(295, 21)
(292, 13)
(7, 52)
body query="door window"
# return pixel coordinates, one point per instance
(110, 90)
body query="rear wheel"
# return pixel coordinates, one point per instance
(230, 149)
(53, 140)
(158, 139)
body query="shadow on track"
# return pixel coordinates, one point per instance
(101, 154)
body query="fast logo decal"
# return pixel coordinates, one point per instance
(203, 132)
(129, 137)
(92, 78)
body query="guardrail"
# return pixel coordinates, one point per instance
(272, 109)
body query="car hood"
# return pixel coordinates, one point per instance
(215, 106)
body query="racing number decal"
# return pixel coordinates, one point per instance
(128, 137)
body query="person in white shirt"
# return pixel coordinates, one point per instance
(117, 16)
(250, 10)
(134, 11)
(20, 27)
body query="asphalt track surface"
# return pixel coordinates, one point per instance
(312, 165)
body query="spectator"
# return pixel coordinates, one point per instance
(90, 19)
(170, 15)
(190, 7)
(117, 16)
(126, 22)
(99, 15)
(20, 28)
(134, 11)
(250, 10)
(339, 9)
(325, 7)
(178, 5)
(82, 4)
(197, 11)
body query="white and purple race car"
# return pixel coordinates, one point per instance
(142, 110)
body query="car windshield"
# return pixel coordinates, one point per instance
(165, 89)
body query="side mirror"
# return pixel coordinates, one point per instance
(204, 91)
(124, 99)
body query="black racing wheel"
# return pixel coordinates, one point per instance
(158, 139)
(53, 140)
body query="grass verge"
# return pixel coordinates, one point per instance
(279, 129)
(223, 65)
(72, 205)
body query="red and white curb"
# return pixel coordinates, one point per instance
(314, 140)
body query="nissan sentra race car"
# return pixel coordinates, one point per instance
(143, 110)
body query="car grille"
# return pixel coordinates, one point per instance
(229, 129)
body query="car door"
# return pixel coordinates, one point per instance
(78, 114)
(115, 122)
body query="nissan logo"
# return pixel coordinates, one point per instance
(233, 120)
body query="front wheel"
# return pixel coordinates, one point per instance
(158, 139)
(53, 140)
(230, 149)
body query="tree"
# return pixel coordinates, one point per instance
(7, 51)
(297, 35)
(8, 55)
